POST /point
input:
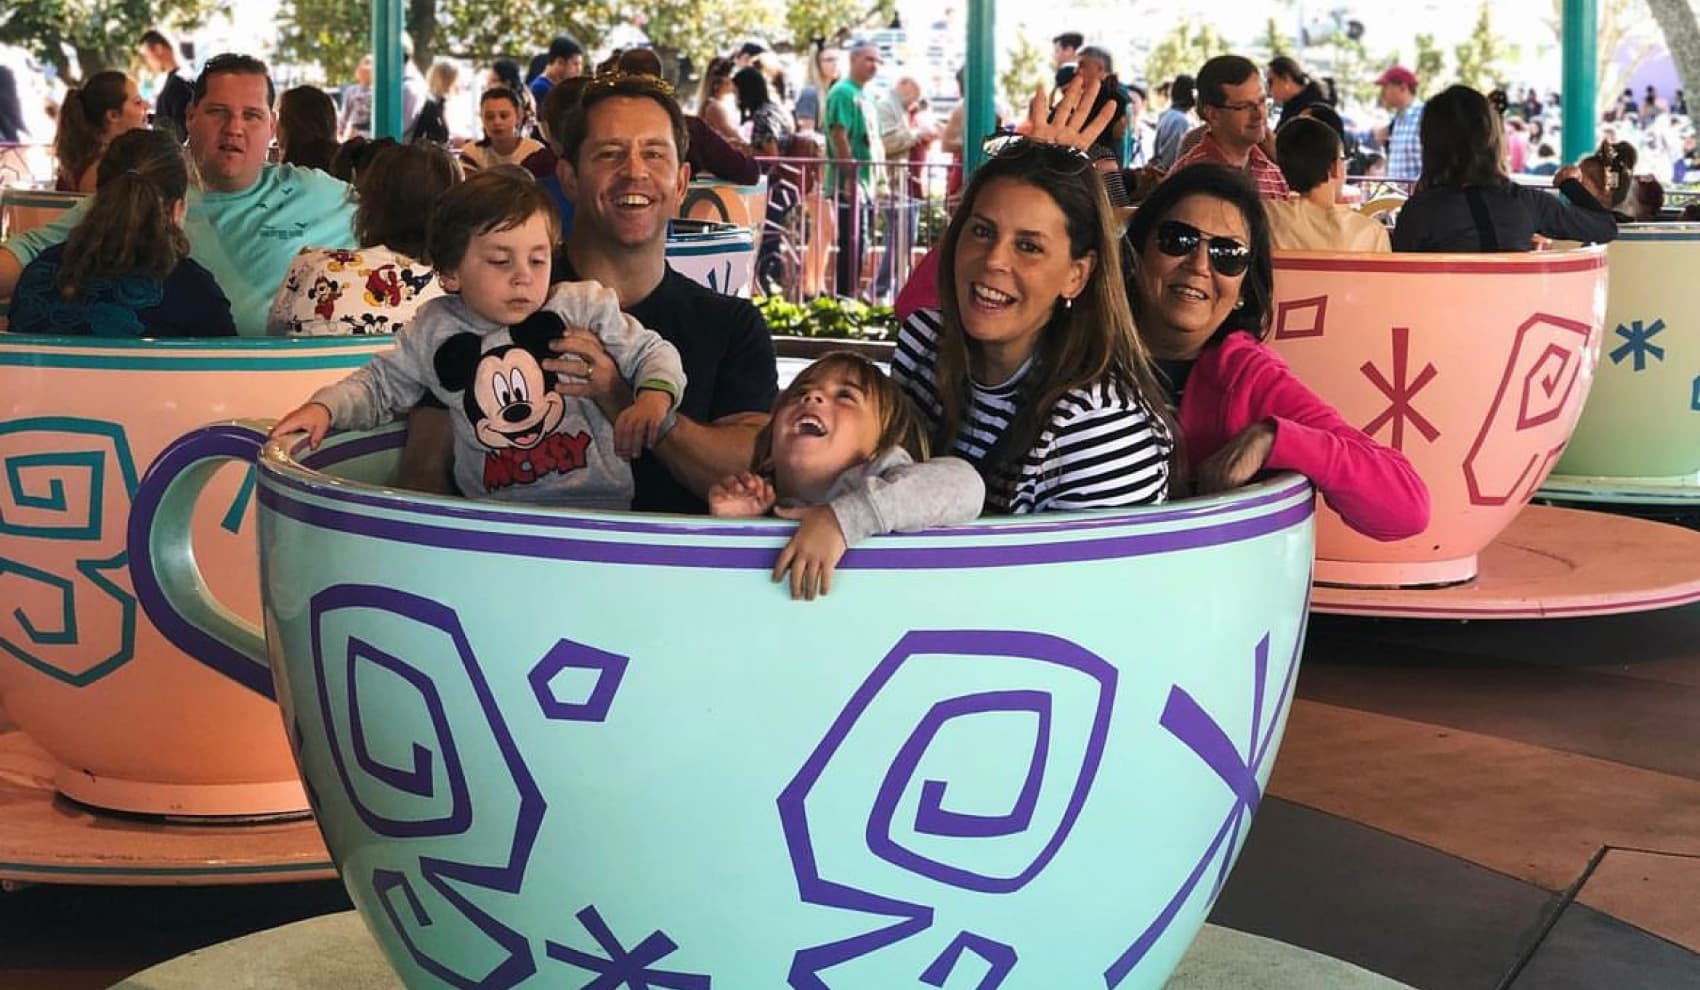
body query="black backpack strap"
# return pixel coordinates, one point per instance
(1484, 223)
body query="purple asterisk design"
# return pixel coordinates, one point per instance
(620, 967)
(1187, 721)
(1400, 392)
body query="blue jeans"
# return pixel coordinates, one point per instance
(902, 219)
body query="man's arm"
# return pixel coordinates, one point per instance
(22, 249)
(719, 157)
(840, 142)
(11, 269)
(699, 455)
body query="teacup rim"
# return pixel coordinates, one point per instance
(279, 464)
(1584, 258)
(34, 342)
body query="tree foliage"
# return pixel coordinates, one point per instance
(334, 34)
(1480, 58)
(1024, 69)
(807, 20)
(1681, 27)
(1430, 64)
(1275, 41)
(700, 29)
(1185, 48)
(101, 33)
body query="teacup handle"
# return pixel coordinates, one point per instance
(167, 579)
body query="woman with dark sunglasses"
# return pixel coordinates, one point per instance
(1202, 283)
(1030, 368)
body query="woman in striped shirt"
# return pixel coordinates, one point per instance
(1030, 369)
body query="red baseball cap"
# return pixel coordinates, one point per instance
(1399, 75)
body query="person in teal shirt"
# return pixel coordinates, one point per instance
(247, 219)
(848, 138)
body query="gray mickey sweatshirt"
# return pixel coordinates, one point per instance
(893, 494)
(516, 438)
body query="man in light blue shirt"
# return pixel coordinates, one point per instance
(247, 219)
(1403, 134)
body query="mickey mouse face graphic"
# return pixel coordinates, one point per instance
(511, 403)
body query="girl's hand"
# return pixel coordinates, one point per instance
(636, 428)
(1068, 122)
(812, 553)
(314, 417)
(1237, 462)
(741, 495)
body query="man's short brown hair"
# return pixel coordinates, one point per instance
(621, 84)
(492, 199)
(233, 64)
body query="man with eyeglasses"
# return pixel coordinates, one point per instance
(246, 219)
(1235, 108)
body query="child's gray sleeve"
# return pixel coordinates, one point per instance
(645, 358)
(388, 385)
(906, 497)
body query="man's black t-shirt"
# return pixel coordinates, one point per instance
(171, 107)
(727, 354)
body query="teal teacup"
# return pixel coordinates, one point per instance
(567, 749)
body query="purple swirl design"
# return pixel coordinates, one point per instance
(970, 831)
(429, 800)
(1187, 721)
(934, 819)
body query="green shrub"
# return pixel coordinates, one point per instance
(841, 319)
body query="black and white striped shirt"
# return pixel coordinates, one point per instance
(1099, 447)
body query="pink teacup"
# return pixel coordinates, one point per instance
(133, 721)
(1475, 366)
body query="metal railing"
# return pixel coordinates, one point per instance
(853, 239)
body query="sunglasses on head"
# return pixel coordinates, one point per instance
(1228, 257)
(1061, 158)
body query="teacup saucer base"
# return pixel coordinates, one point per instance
(337, 952)
(1678, 491)
(1550, 563)
(47, 839)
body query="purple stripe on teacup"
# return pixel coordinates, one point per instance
(355, 493)
(232, 441)
(761, 558)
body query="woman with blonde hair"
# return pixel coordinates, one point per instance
(432, 123)
(717, 100)
(822, 72)
(125, 269)
(91, 116)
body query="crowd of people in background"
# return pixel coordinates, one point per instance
(1086, 331)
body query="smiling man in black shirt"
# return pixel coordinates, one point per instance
(622, 164)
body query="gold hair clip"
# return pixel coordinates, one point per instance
(619, 77)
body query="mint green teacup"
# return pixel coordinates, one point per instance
(566, 749)
(1642, 418)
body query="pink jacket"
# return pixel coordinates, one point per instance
(1240, 382)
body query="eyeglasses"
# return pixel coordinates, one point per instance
(1228, 257)
(1247, 105)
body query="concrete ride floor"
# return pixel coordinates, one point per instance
(1456, 806)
